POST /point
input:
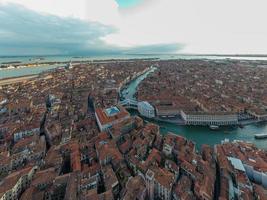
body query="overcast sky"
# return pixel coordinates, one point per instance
(133, 26)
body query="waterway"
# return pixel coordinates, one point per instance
(200, 134)
(130, 90)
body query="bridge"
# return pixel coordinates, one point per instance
(129, 103)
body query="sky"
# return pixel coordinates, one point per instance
(44, 27)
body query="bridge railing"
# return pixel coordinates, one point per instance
(129, 103)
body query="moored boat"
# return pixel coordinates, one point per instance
(214, 127)
(261, 136)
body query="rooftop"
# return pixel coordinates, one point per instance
(9, 182)
(109, 115)
(112, 111)
(237, 164)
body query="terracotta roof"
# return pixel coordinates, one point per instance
(135, 188)
(44, 177)
(9, 181)
(163, 177)
(32, 193)
(105, 119)
(110, 178)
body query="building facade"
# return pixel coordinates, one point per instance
(17, 183)
(259, 177)
(159, 184)
(146, 109)
(209, 119)
(106, 118)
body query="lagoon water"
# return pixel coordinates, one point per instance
(16, 72)
(8, 73)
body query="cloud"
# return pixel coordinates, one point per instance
(155, 49)
(206, 26)
(26, 32)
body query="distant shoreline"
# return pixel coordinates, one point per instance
(218, 55)
(56, 64)
(41, 66)
(177, 54)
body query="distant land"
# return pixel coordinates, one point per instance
(220, 55)
(145, 54)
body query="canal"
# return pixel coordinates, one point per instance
(200, 134)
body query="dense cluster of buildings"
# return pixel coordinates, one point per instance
(64, 136)
(207, 92)
(242, 170)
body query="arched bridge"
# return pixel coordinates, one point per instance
(129, 103)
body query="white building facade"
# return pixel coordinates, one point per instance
(146, 109)
(209, 119)
(150, 184)
(22, 134)
(105, 127)
(259, 177)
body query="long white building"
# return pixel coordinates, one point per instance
(219, 119)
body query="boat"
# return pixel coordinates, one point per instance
(261, 136)
(11, 67)
(214, 127)
(241, 126)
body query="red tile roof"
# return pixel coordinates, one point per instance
(105, 119)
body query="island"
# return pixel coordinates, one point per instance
(68, 133)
